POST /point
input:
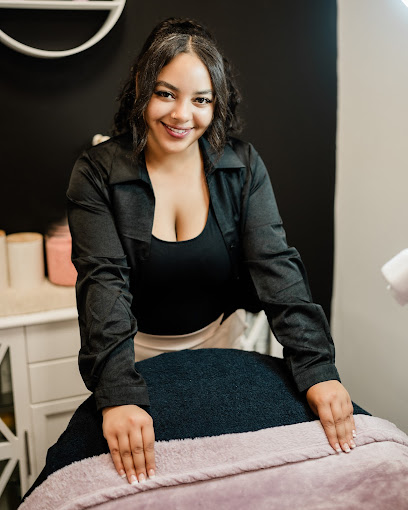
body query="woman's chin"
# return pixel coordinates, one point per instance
(176, 146)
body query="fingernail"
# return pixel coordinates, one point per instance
(346, 448)
(354, 433)
(133, 480)
(352, 444)
(142, 477)
(122, 474)
(151, 473)
(337, 448)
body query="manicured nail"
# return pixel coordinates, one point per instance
(346, 448)
(352, 444)
(151, 473)
(354, 433)
(133, 480)
(142, 477)
(337, 448)
(122, 474)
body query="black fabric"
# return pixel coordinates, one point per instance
(184, 285)
(196, 393)
(110, 212)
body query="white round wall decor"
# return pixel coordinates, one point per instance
(114, 6)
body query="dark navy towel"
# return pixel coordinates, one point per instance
(196, 393)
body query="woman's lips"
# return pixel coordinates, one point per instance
(177, 132)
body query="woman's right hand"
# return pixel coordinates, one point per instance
(128, 429)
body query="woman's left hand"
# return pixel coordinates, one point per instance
(331, 402)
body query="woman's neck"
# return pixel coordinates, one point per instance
(174, 163)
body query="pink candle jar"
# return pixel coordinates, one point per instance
(58, 248)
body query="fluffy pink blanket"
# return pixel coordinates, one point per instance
(282, 467)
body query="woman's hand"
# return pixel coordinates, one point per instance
(129, 432)
(332, 404)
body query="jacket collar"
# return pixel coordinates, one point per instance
(228, 158)
(132, 170)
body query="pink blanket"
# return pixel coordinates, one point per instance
(282, 467)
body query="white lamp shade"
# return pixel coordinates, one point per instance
(395, 271)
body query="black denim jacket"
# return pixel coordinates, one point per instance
(110, 213)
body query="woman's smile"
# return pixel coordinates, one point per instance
(177, 132)
(181, 107)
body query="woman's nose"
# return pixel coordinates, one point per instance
(181, 111)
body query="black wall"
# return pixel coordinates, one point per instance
(284, 53)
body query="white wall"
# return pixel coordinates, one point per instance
(370, 329)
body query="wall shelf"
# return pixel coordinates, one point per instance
(66, 5)
(114, 6)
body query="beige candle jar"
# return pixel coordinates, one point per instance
(25, 260)
(3, 261)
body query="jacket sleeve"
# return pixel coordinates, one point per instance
(107, 325)
(280, 281)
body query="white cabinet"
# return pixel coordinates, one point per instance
(56, 387)
(49, 420)
(40, 388)
(52, 352)
(15, 423)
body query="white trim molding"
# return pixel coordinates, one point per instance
(114, 6)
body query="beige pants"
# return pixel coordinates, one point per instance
(227, 335)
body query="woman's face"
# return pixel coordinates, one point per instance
(181, 107)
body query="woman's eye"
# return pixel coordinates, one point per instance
(203, 100)
(164, 93)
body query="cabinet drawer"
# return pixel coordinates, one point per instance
(55, 379)
(52, 340)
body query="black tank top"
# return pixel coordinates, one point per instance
(184, 284)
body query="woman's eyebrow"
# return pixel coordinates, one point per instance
(202, 92)
(168, 85)
(172, 87)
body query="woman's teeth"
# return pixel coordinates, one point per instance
(178, 131)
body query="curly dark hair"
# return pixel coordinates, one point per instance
(169, 38)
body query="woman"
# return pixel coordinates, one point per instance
(175, 227)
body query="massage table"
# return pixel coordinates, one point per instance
(232, 432)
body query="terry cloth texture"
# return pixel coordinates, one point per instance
(196, 393)
(277, 468)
